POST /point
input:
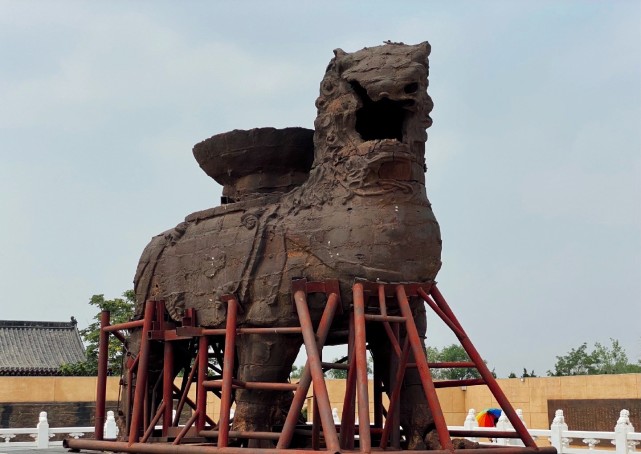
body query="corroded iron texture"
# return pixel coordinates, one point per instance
(344, 201)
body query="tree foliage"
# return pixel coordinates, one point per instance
(450, 353)
(341, 374)
(525, 374)
(601, 360)
(121, 310)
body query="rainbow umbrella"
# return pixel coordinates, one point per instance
(488, 417)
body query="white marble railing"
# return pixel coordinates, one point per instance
(623, 438)
(42, 433)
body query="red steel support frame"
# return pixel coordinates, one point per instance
(101, 392)
(201, 392)
(482, 367)
(360, 358)
(423, 369)
(168, 387)
(228, 372)
(363, 291)
(306, 378)
(314, 361)
(141, 375)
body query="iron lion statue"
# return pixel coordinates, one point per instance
(344, 201)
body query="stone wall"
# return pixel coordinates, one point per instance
(65, 414)
(529, 394)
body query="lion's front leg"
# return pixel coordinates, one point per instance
(263, 358)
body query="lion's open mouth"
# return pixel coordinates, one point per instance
(383, 119)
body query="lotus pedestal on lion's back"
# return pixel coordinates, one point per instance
(344, 201)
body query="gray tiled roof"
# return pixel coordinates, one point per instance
(38, 348)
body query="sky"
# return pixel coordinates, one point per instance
(534, 157)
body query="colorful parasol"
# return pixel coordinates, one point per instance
(488, 417)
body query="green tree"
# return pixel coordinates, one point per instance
(450, 353)
(601, 360)
(527, 374)
(121, 310)
(296, 372)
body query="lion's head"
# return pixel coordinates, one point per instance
(373, 110)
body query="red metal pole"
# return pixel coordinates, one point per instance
(101, 391)
(201, 392)
(378, 369)
(392, 422)
(314, 361)
(423, 369)
(192, 404)
(183, 396)
(228, 373)
(142, 373)
(162, 448)
(126, 325)
(347, 417)
(315, 425)
(168, 387)
(395, 410)
(306, 378)
(360, 356)
(152, 423)
(486, 375)
(183, 432)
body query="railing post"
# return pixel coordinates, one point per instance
(503, 424)
(471, 423)
(517, 441)
(621, 430)
(42, 438)
(111, 429)
(557, 428)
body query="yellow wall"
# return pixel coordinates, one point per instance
(54, 389)
(530, 395)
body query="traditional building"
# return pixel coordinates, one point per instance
(38, 348)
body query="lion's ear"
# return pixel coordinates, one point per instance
(421, 52)
(340, 62)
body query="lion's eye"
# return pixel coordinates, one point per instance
(411, 88)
